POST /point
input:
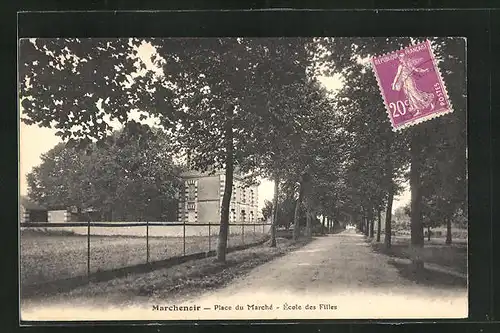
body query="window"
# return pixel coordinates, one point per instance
(191, 206)
(191, 193)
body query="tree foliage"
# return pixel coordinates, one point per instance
(267, 210)
(256, 106)
(132, 178)
(380, 157)
(210, 95)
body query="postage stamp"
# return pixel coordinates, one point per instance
(411, 85)
(136, 231)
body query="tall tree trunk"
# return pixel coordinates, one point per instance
(355, 221)
(308, 223)
(336, 221)
(296, 218)
(307, 202)
(275, 215)
(390, 191)
(379, 223)
(362, 223)
(448, 231)
(417, 230)
(388, 218)
(323, 224)
(228, 189)
(366, 223)
(372, 222)
(428, 233)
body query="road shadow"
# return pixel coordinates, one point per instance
(428, 277)
(449, 258)
(452, 257)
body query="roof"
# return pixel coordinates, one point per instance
(30, 205)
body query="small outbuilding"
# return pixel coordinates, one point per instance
(31, 211)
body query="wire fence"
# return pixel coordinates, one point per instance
(57, 251)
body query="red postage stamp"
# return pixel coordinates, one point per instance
(411, 85)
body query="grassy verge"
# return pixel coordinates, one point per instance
(452, 256)
(449, 262)
(181, 281)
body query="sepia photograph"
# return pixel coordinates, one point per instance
(242, 178)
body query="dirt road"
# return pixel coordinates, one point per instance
(340, 270)
(333, 277)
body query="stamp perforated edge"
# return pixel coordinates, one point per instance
(387, 110)
(441, 81)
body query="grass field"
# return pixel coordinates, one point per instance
(188, 279)
(47, 257)
(435, 251)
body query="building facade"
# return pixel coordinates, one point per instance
(201, 200)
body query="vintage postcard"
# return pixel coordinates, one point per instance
(242, 178)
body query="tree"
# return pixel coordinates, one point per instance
(209, 94)
(440, 203)
(379, 223)
(275, 212)
(60, 179)
(293, 147)
(68, 83)
(377, 154)
(286, 205)
(318, 156)
(416, 144)
(130, 178)
(267, 210)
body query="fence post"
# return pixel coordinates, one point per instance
(88, 248)
(147, 241)
(184, 237)
(209, 237)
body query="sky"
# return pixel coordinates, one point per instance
(35, 141)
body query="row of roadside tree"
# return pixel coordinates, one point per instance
(257, 105)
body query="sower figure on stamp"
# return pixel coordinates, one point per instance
(405, 80)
